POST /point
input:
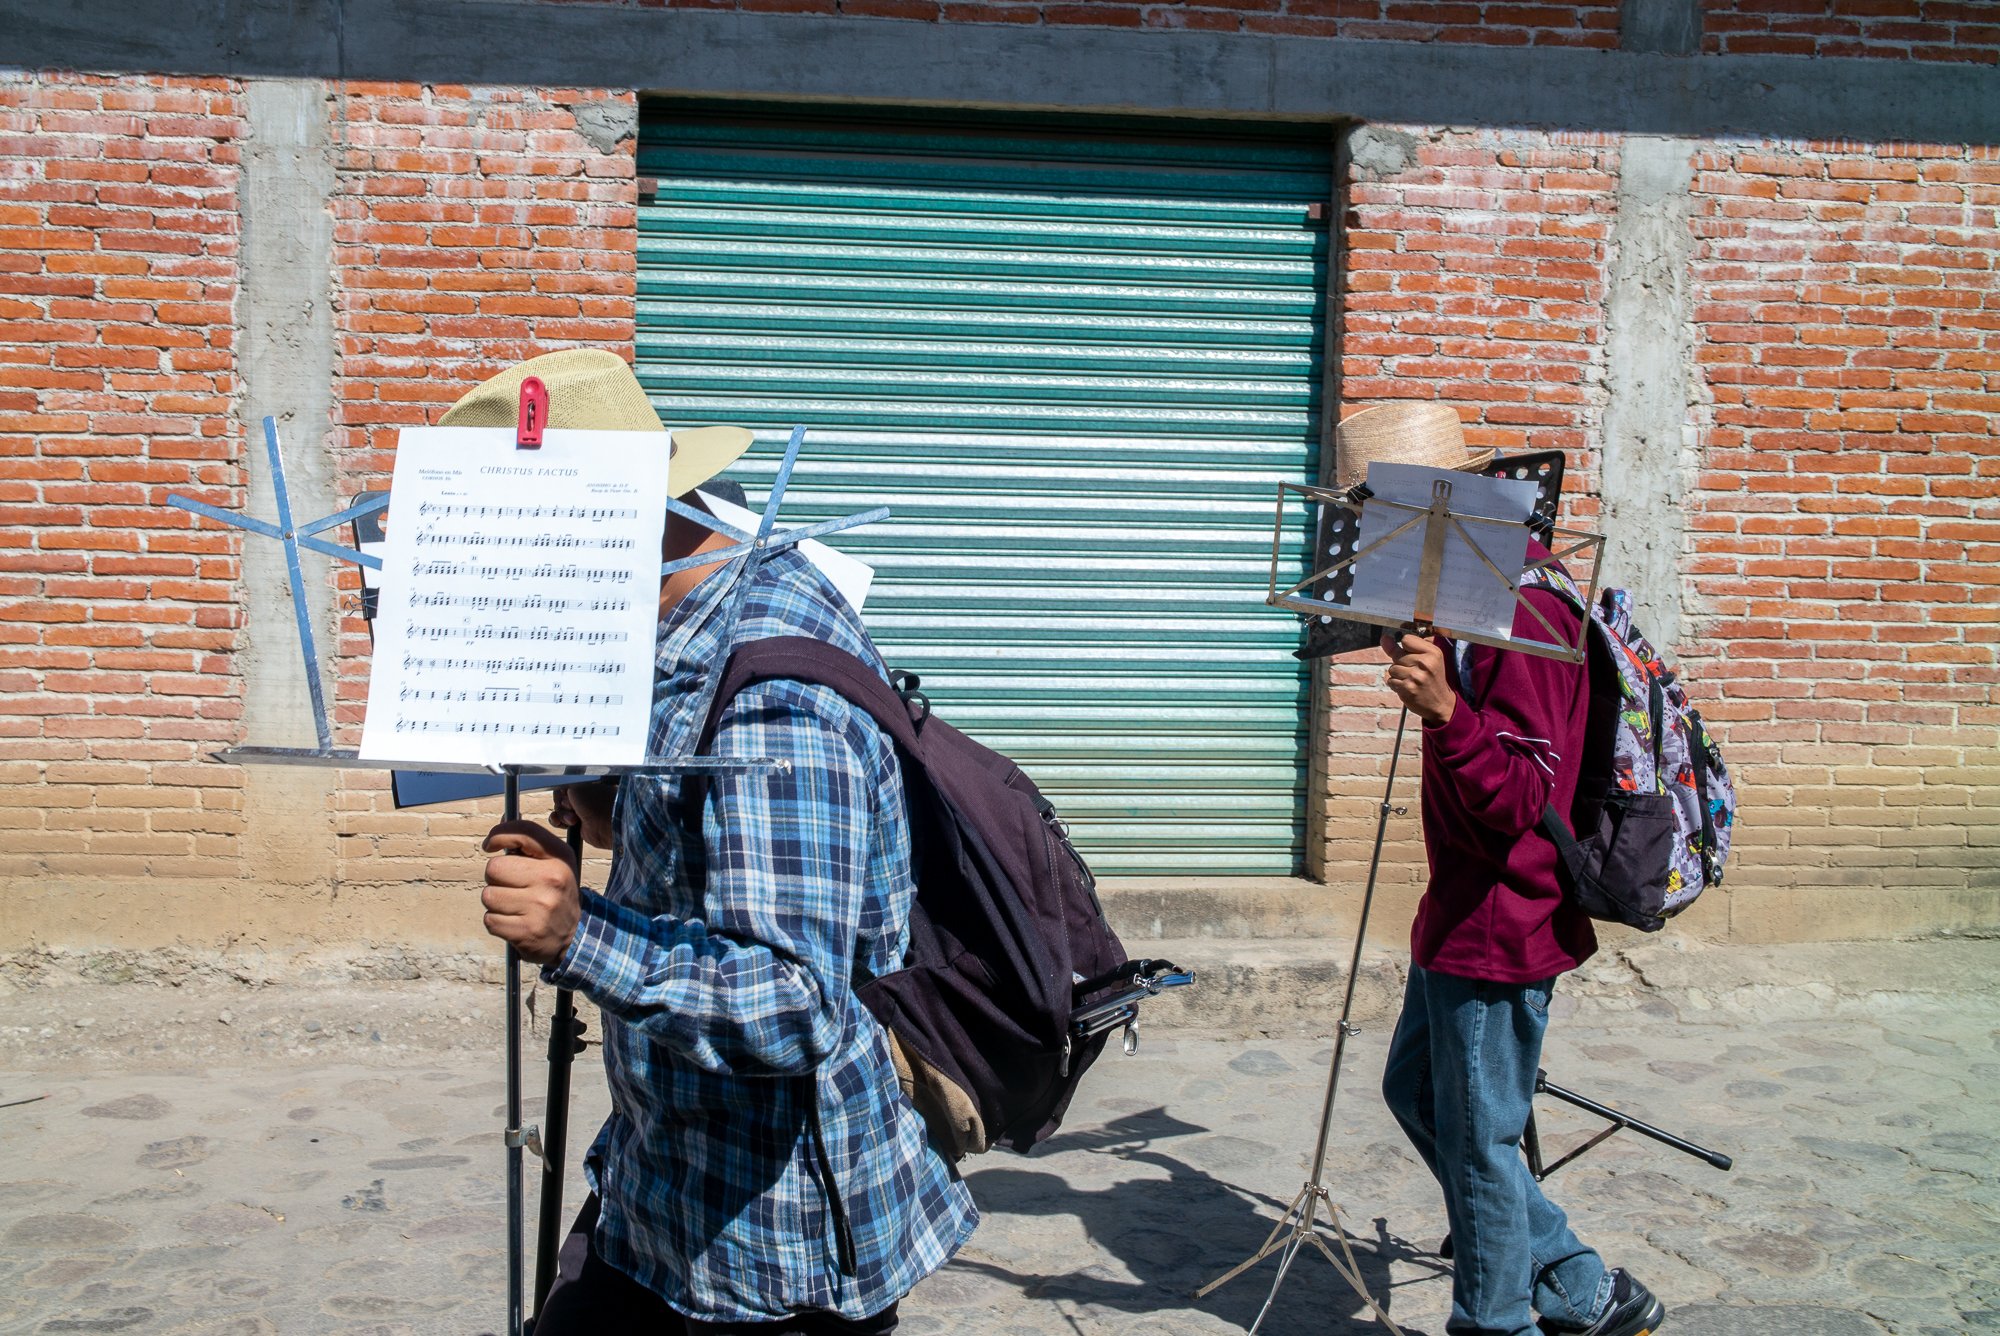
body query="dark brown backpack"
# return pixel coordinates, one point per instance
(1013, 979)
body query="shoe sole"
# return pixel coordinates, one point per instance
(1648, 1324)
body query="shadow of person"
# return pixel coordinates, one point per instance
(1173, 1234)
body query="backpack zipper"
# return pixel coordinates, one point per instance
(1056, 833)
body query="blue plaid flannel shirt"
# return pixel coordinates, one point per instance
(760, 1158)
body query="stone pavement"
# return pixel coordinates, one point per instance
(327, 1160)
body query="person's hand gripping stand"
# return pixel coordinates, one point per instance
(1417, 675)
(532, 897)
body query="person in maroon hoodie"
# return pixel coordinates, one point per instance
(1502, 738)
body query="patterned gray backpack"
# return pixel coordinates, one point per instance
(1654, 803)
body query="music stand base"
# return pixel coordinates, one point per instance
(1299, 1226)
(1301, 1216)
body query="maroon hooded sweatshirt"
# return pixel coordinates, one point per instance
(1514, 743)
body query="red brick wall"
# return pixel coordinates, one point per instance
(1843, 620)
(1475, 276)
(473, 228)
(1848, 563)
(1958, 30)
(1845, 601)
(118, 245)
(1954, 30)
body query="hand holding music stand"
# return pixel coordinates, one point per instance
(1434, 522)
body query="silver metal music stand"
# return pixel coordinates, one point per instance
(748, 553)
(1301, 1224)
(1571, 548)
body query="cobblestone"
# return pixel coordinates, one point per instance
(358, 1189)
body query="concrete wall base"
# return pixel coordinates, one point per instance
(168, 930)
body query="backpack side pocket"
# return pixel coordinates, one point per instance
(1619, 869)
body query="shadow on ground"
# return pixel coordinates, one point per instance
(1177, 1233)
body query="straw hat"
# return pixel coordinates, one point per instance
(1402, 433)
(594, 390)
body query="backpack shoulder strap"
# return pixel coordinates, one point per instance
(805, 659)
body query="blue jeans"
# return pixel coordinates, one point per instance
(1460, 1079)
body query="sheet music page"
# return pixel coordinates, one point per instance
(520, 599)
(1469, 597)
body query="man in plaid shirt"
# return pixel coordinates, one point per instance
(761, 1171)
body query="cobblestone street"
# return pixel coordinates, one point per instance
(330, 1163)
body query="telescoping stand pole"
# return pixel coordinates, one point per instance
(565, 1042)
(516, 1138)
(1299, 1225)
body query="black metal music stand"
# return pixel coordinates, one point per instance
(745, 557)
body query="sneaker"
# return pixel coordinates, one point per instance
(1633, 1311)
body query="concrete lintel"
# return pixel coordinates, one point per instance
(719, 53)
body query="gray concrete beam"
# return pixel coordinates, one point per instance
(1672, 27)
(1649, 462)
(285, 312)
(1005, 65)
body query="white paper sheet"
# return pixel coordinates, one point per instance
(851, 577)
(1469, 596)
(519, 600)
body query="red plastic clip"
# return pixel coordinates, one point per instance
(534, 414)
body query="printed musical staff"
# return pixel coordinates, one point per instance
(592, 514)
(537, 728)
(514, 695)
(568, 573)
(553, 605)
(416, 663)
(558, 541)
(557, 635)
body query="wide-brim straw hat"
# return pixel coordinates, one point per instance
(594, 390)
(1429, 434)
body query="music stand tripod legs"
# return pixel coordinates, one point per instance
(1531, 1140)
(1300, 1224)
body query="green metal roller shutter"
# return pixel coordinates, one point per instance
(1074, 359)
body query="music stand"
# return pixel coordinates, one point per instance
(748, 553)
(1337, 533)
(1300, 1223)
